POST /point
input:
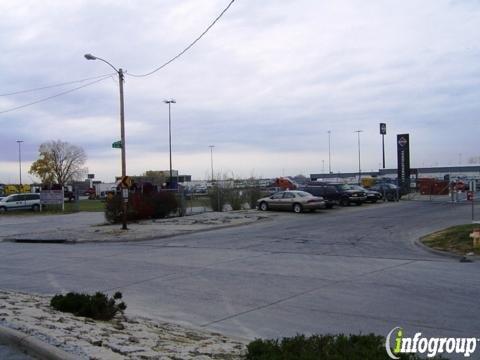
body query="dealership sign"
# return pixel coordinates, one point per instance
(403, 161)
(51, 197)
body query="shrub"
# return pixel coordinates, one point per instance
(235, 197)
(325, 347)
(98, 306)
(216, 195)
(252, 194)
(150, 205)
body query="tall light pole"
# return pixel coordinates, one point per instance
(383, 132)
(329, 154)
(211, 158)
(359, 167)
(122, 133)
(170, 102)
(20, 161)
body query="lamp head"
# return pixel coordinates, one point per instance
(90, 57)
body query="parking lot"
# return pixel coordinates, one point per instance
(353, 269)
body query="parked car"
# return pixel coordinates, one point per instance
(328, 192)
(372, 195)
(28, 201)
(390, 192)
(344, 193)
(295, 200)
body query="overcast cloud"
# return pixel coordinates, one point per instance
(264, 85)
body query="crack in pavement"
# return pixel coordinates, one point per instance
(301, 294)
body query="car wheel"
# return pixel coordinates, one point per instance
(3, 209)
(344, 202)
(390, 197)
(359, 203)
(329, 206)
(263, 206)
(36, 207)
(297, 208)
(374, 201)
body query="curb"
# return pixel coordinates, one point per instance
(146, 238)
(33, 346)
(443, 253)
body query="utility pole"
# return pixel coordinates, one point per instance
(169, 102)
(121, 79)
(20, 161)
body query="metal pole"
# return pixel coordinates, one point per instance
(170, 142)
(383, 149)
(20, 162)
(359, 167)
(211, 158)
(122, 134)
(329, 154)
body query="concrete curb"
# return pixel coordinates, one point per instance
(33, 346)
(419, 243)
(145, 238)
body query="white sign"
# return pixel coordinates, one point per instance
(51, 197)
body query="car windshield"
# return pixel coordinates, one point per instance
(346, 187)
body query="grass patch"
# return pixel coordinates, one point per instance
(455, 239)
(85, 205)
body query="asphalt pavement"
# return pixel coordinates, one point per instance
(348, 270)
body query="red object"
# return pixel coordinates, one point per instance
(470, 195)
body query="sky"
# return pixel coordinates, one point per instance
(264, 85)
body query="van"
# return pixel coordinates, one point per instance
(28, 201)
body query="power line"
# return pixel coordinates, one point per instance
(55, 85)
(188, 47)
(54, 96)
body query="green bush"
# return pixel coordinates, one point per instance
(324, 347)
(98, 306)
(150, 205)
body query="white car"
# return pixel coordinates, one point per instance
(20, 201)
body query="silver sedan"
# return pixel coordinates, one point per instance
(296, 201)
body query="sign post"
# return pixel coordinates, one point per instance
(472, 188)
(403, 162)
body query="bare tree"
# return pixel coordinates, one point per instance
(59, 163)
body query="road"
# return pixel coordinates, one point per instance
(347, 270)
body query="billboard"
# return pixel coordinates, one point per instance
(403, 162)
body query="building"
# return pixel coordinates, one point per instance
(441, 172)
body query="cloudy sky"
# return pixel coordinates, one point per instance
(264, 85)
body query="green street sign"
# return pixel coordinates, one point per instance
(117, 144)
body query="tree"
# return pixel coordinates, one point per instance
(59, 163)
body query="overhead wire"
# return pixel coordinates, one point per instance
(54, 85)
(54, 96)
(188, 47)
(105, 76)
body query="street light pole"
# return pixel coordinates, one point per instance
(121, 79)
(329, 154)
(169, 102)
(359, 167)
(211, 157)
(20, 161)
